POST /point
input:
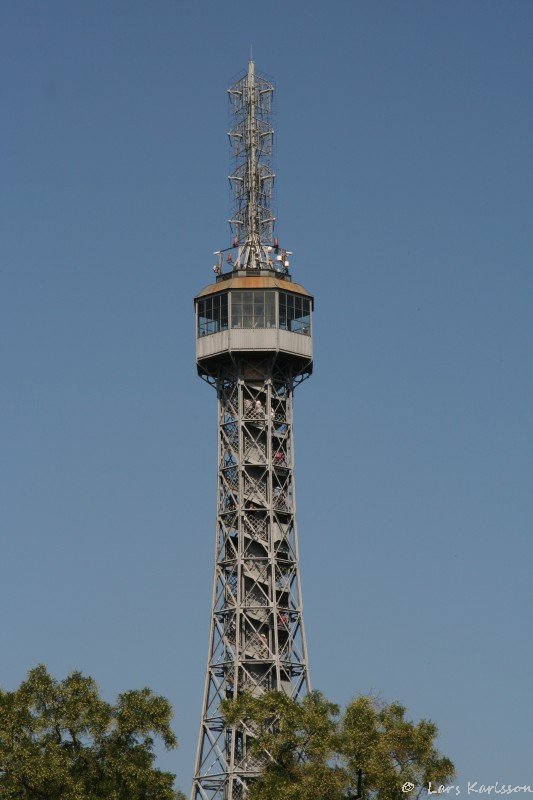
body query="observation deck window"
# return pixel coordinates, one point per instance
(212, 314)
(294, 313)
(253, 309)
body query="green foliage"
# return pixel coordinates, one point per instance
(298, 740)
(310, 752)
(60, 741)
(391, 750)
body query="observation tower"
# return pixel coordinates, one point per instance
(254, 346)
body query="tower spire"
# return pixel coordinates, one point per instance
(252, 171)
(252, 178)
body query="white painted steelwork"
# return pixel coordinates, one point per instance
(272, 340)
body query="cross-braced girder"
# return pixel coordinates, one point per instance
(257, 640)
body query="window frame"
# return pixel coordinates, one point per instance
(295, 313)
(212, 314)
(254, 309)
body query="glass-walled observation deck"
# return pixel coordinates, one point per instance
(253, 309)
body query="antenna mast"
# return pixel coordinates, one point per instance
(252, 178)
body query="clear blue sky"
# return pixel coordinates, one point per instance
(404, 163)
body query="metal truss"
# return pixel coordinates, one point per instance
(252, 178)
(257, 640)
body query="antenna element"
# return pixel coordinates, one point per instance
(252, 178)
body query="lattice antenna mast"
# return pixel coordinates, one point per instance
(252, 178)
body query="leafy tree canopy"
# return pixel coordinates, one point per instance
(60, 741)
(309, 751)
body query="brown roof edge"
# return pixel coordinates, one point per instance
(254, 282)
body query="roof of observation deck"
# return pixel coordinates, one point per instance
(247, 281)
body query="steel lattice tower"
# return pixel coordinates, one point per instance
(254, 345)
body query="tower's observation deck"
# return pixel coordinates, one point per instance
(254, 329)
(262, 312)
